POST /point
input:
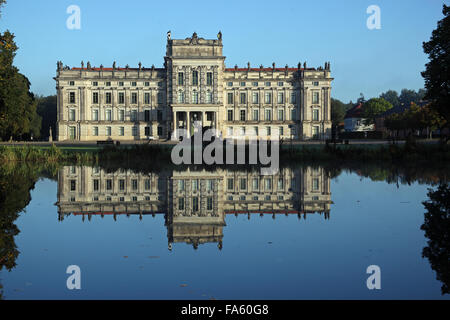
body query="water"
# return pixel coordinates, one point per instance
(305, 233)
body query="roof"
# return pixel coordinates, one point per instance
(355, 112)
(269, 69)
(116, 69)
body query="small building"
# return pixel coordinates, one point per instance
(353, 120)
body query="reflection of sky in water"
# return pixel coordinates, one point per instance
(287, 258)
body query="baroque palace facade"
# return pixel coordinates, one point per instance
(194, 87)
(194, 202)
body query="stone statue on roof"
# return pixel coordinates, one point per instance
(169, 35)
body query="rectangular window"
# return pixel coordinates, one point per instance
(147, 84)
(135, 131)
(121, 184)
(95, 115)
(243, 98)
(280, 97)
(108, 184)
(255, 184)
(72, 97)
(280, 83)
(255, 114)
(121, 115)
(280, 184)
(121, 97)
(243, 184)
(147, 115)
(147, 131)
(281, 131)
(180, 78)
(108, 97)
(95, 97)
(255, 129)
(230, 115)
(95, 131)
(268, 97)
(210, 185)
(293, 97)
(180, 203)
(293, 114)
(134, 97)
(121, 131)
(267, 84)
(147, 98)
(209, 78)
(255, 83)
(180, 97)
(315, 184)
(160, 97)
(133, 115)
(209, 97)
(73, 185)
(267, 114)
(209, 203)
(315, 97)
(95, 84)
(230, 84)
(133, 84)
(72, 115)
(230, 97)
(194, 78)
(147, 184)
(280, 115)
(230, 184)
(134, 184)
(195, 97)
(269, 131)
(268, 184)
(108, 131)
(108, 115)
(195, 185)
(95, 184)
(242, 83)
(315, 114)
(180, 185)
(242, 115)
(255, 97)
(120, 83)
(316, 83)
(195, 204)
(71, 83)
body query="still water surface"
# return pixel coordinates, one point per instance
(197, 234)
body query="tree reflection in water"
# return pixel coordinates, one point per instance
(437, 230)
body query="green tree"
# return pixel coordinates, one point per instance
(437, 70)
(391, 96)
(375, 107)
(337, 111)
(46, 109)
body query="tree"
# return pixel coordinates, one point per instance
(437, 70)
(375, 107)
(391, 96)
(46, 109)
(337, 111)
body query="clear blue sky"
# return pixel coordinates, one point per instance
(262, 32)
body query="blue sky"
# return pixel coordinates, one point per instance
(262, 32)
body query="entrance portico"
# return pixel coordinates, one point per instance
(187, 118)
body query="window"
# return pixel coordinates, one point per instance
(160, 97)
(281, 131)
(134, 97)
(230, 84)
(121, 98)
(242, 115)
(147, 84)
(108, 184)
(108, 115)
(134, 131)
(242, 198)
(147, 184)
(280, 97)
(180, 96)
(209, 203)
(280, 114)
(315, 184)
(195, 204)
(71, 83)
(230, 97)
(242, 83)
(267, 114)
(108, 131)
(210, 185)
(268, 184)
(133, 115)
(180, 78)
(195, 184)
(255, 184)
(268, 97)
(121, 185)
(316, 83)
(95, 114)
(121, 115)
(255, 83)
(315, 97)
(230, 131)
(147, 131)
(73, 185)
(315, 114)
(209, 78)
(180, 203)
(280, 83)
(230, 184)
(134, 184)
(293, 97)
(293, 114)
(120, 83)
(243, 184)
(230, 115)
(194, 97)
(208, 97)
(95, 184)
(147, 98)
(147, 115)
(133, 83)
(72, 115)
(72, 97)
(108, 97)
(95, 97)
(255, 129)
(255, 97)
(268, 84)
(121, 131)
(194, 78)
(268, 131)
(95, 131)
(95, 84)
(180, 185)
(243, 98)
(255, 114)
(280, 184)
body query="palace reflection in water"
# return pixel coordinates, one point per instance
(194, 203)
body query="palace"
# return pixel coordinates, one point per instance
(193, 87)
